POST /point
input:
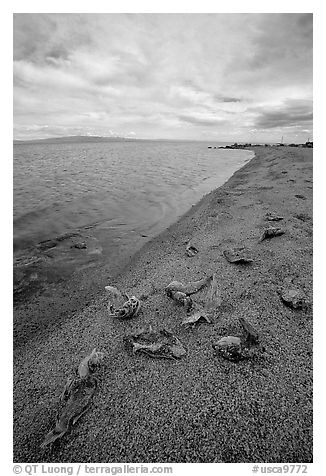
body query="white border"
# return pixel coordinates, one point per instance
(204, 6)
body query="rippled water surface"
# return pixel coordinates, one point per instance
(116, 195)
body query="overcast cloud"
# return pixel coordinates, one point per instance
(180, 76)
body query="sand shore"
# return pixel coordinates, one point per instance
(201, 408)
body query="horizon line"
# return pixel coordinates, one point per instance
(122, 138)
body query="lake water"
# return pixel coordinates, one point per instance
(116, 195)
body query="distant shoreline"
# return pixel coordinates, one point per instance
(80, 139)
(94, 139)
(73, 139)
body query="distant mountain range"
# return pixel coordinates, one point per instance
(72, 139)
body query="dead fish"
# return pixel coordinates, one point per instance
(191, 250)
(181, 298)
(187, 289)
(239, 255)
(196, 312)
(271, 232)
(292, 296)
(89, 364)
(128, 309)
(230, 348)
(251, 335)
(76, 397)
(270, 216)
(161, 344)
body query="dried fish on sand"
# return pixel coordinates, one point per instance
(77, 401)
(123, 306)
(292, 296)
(239, 348)
(160, 344)
(230, 348)
(271, 232)
(89, 364)
(76, 397)
(181, 298)
(196, 311)
(180, 292)
(239, 255)
(189, 288)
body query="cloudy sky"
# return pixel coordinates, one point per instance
(244, 77)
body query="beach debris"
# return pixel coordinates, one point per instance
(80, 394)
(238, 255)
(235, 348)
(180, 292)
(250, 333)
(160, 344)
(302, 197)
(130, 309)
(271, 232)
(90, 363)
(191, 250)
(187, 289)
(230, 348)
(181, 298)
(196, 311)
(123, 306)
(76, 397)
(292, 296)
(270, 216)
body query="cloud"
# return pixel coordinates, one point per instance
(202, 120)
(228, 99)
(39, 36)
(158, 74)
(292, 113)
(283, 40)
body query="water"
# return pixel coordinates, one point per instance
(116, 195)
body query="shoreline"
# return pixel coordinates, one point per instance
(205, 408)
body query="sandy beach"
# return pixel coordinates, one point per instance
(200, 408)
